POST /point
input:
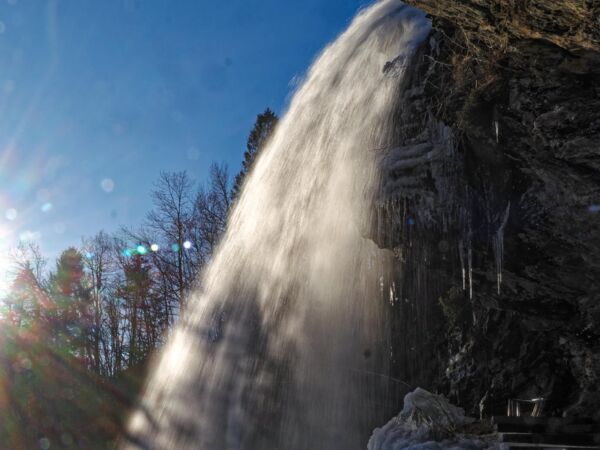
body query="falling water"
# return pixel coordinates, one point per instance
(284, 345)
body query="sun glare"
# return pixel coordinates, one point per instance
(4, 275)
(4, 261)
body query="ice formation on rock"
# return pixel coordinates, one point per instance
(429, 422)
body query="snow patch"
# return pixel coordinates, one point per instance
(429, 422)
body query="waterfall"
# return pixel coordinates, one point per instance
(284, 343)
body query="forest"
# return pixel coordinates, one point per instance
(77, 336)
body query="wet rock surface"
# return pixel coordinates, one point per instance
(490, 201)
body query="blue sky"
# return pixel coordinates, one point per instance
(122, 89)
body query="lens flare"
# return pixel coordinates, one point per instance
(28, 236)
(5, 266)
(11, 214)
(107, 185)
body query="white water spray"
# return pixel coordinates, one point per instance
(276, 348)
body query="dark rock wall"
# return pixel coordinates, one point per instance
(489, 200)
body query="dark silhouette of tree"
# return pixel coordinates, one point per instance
(136, 290)
(99, 267)
(28, 294)
(259, 136)
(184, 227)
(73, 315)
(211, 210)
(169, 223)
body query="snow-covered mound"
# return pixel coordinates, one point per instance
(429, 422)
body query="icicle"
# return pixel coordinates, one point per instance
(393, 296)
(470, 258)
(380, 218)
(496, 129)
(498, 246)
(467, 272)
(461, 253)
(496, 123)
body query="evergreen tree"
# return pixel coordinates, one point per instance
(73, 304)
(27, 302)
(263, 129)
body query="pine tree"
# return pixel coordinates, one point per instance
(263, 129)
(73, 304)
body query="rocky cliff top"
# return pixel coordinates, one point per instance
(571, 24)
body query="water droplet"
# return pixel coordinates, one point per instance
(107, 185)
(29, 235)
(26, 363)
(11, 214)
(66, 439)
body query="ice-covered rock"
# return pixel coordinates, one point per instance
(429, 422)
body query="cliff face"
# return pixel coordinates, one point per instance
(491, 205)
